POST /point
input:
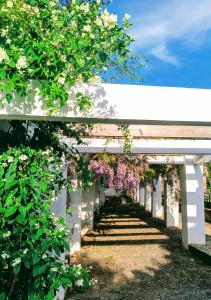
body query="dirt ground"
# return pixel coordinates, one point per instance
(135, 257)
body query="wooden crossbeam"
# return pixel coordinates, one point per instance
(152, 131)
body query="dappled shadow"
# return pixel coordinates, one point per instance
(146, 269)
(32, 104)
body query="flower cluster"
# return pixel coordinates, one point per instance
(101, 169)
(118, 172)
(59, 43)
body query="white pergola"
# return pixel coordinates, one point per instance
(174, 112)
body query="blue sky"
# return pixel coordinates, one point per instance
(176, 37)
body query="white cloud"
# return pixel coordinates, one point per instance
(162, 53)
(162, 22)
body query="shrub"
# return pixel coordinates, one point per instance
(31, 238)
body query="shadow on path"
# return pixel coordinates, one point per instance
(136, 257)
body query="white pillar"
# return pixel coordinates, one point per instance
(171, 207)
(157, 210)
(193, 217)
(138, 195)
(102, 196)
(141, 194)
(87, 213)
(96, 196)
(74, 221)
(148, 197)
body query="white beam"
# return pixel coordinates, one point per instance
(114, 103)
(202, 159)
(166, 159)
(165, 146)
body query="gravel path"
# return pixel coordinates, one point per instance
(135, 257)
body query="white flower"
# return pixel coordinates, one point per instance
(25, 251)
(54, 269)
(44, 256)
(4, 32)
(4, 255)
(109, 20)
(95, 79)
(84, 7)
(23, 157)
(64, 58)
(87, 28)
(61, 80)
(98, 22)
(21, 63)
(9, 4)
(98, 1)
(3, 54)
(73, 24)
(7, 234)
(35, 9)
(10, 159)
(79, 282)
(127, 17)
(16, 262)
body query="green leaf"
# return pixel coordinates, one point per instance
(2, 296)
(37, 270)
(50, 296)
(10, 211)
(10, 184)
(20, 219)
(16, 269)
(23, 210)
(8, 98)
(10, 197)
(37, 283)
(27, 264)
(36, 258)
(56, 284)
(43, 185)
(39, 232)
(1, 171)
(2, 74)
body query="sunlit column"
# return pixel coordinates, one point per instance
(96, 195)
(148, 197)
(157, 199)
(141, 194)
(193, 216)
(74, 220)
(171, 207)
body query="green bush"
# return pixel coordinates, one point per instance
(31, 238)
(58, 46)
